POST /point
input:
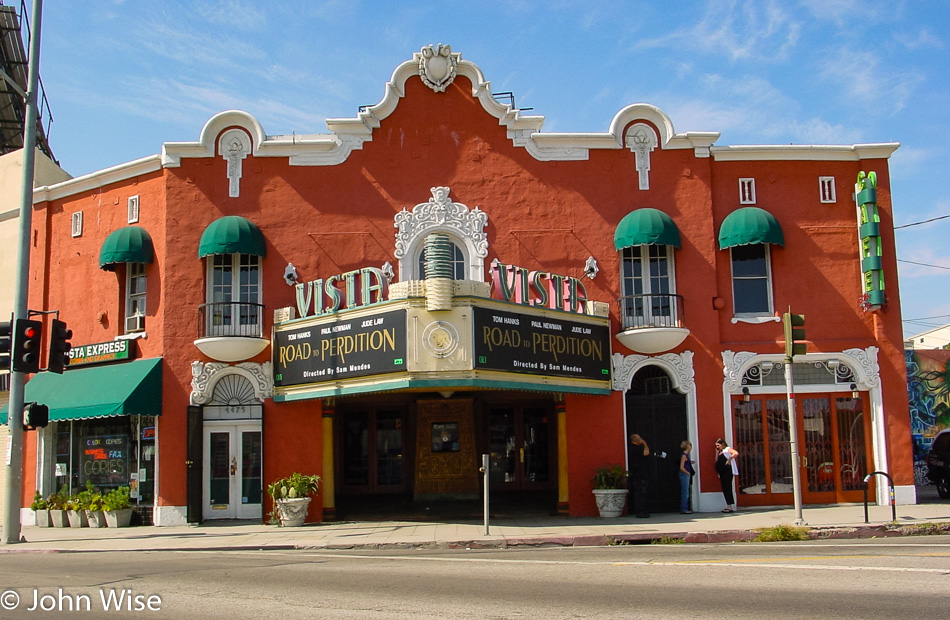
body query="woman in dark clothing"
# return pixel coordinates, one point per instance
(727, 469)
(686, 477)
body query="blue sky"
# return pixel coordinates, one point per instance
(122, 77)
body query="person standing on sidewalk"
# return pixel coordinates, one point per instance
(639, 475)
(727, 469)
(686, 477)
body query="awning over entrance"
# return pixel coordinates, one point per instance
(232, 234)
(134, 388)
(130, 244)
(750, 225)
(646, 227)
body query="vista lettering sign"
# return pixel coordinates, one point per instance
(336, 350)
(538, 288)
(536, 345)
(353, 289)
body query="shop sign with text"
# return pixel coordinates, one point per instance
(111, 351)
(539, 289)
(341, 349)
(537, 345)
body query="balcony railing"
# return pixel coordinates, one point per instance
(230, 319)
(642, 311)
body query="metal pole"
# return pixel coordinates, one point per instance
(793, 442)
(484, 470)
(14, 461)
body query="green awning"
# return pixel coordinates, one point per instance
(131, 244)
(646, 227)
(232, 235)
(749, 225)
(133, 388)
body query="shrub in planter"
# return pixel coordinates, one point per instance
(57, 508)
(117, 506)
(76, 511)
(291, 497)
(94, 501)
(40, 508)
(610, 490)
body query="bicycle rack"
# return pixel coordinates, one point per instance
(890, 482)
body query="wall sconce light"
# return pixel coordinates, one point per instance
(745, 394)
(290, 274)
(590, 268)
(854, 391)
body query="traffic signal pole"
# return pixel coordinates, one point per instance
(794, 327)
(14, 452)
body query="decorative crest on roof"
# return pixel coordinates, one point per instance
(438, 66)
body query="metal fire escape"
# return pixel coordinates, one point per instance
(13, 83)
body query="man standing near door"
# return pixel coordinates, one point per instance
(639, 475)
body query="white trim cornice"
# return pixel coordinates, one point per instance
(95, 180)
(802, 152)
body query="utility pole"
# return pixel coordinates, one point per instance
(14, 453)
(794, 327)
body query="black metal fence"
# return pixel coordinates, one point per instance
(231, 318)
(659, 310)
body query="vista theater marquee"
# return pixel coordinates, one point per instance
(524, 330)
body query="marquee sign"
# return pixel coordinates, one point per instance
(532, 344)
(340, 349)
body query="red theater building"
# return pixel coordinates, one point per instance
(437, 279)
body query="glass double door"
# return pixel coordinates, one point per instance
(233, 487)
(372, 451)
(832, 445)
(520, 441)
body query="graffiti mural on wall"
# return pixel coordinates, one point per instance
(928, 385)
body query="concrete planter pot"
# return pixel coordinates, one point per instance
(292, 512)
(42, 518)
(58, 518)
(118, 518)
(77, 518)
(610, 502)
(96, 518)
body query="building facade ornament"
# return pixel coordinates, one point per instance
(440, 214)
(438, 66)
(641, 139)
(733, 368)
(205, 375)
(234, 146)
(678, 365)
(864, 362)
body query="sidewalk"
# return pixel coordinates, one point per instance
(825, 522)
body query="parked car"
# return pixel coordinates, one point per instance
(938, 463)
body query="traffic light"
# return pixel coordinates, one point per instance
(59, 346)
(27, 336)
(794, 325)
(35, 416)
(5, 345)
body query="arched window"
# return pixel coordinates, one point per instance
(458, 263)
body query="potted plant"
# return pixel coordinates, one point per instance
(117, 507)
(94, 501)
(610, 490)
(76, 510)
(40, 508)
(56, 503)
(291, 496)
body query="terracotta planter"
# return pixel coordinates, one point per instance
(292, 512)
(610, 502)
(58, 518)
(118, 518)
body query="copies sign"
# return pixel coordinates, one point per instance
(541, 346)
(369, 345)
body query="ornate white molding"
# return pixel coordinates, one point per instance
(864, 362)
(234, 146)
(440, 214)
(204, 376)
(733, 368)
(437, 66)
(679, 365)
(641, 139)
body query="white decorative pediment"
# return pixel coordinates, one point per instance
(437, 66)
(678, 365)
(641, 139)
(205, 375)
(465, 227)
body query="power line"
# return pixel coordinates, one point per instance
(901, 260)
(942, 217)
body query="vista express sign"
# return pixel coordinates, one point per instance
(540, 345)
(341, 349)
